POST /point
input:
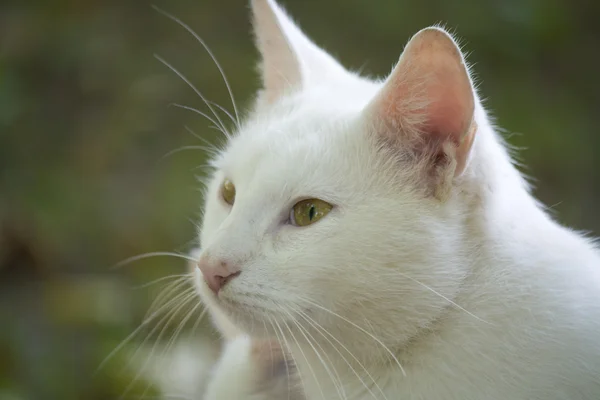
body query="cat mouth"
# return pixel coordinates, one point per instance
(245, 304)
(248, 306)
(253, 308)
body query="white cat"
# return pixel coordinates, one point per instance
(372, 240)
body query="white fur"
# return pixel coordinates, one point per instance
(479, 295)
(239, 377)
(179, 371)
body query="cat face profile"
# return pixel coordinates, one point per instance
(340, 195)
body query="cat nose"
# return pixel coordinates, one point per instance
(217, 273)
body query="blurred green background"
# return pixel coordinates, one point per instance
(85, 126)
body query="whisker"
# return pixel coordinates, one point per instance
(195, 110)
(271, 348)
(164, 396)
(215, 148)
(191, 85)
(198, 320)
(166, 292)
(285, 350)
(148, 255)
(120, 346)
(180, 327)
(199, 39)
(227, 134)
(187, 297)
(306, 359)
(287, 346)
(164, 278)
(320, 329)
(179, 298)
(226, 112)
(124, 342)
(205, 169)
(185, 148)
(304, 332)
(359, 328)
(442, 296)
(173, 338)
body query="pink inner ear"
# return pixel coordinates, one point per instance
(450, 112)
(437, 65)
(428, 100)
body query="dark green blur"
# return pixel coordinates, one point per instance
(85, 126)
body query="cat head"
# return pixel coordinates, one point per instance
(340, 200)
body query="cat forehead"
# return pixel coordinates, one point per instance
(285, 147)
(293, 158)
(298, 126)
(308, 139)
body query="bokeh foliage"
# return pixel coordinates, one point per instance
(85, 123)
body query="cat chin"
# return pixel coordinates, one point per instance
(256, 325)
(254, 321)
(232, 316)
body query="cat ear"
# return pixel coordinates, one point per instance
(427, 103)
(289, 58)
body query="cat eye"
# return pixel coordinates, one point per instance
(309, 211)
(228, 191)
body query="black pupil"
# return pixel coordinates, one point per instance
(311, 212)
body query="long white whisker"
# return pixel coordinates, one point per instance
(163, 396)
(164, 278)
(179, 328)
(167, 305)
(198, 320)
(133, 357)
(304, 333)
(226, 112)
(184, 302)
(320, 330)
(173, 338)
(285, 350)
(194, 147)
(172, 315)
(226, 133)
(287, 346)
(306, 359)
(165, 293)
(195, 110)
(124, 342)
(270, 347)
(179, 298)
(120, 346)
(199, 39)
(199, 93)
(129, 260)
(442, 296)
(206, 142)
(340, 388)
(361, 329)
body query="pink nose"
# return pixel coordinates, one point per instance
(217, 273)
